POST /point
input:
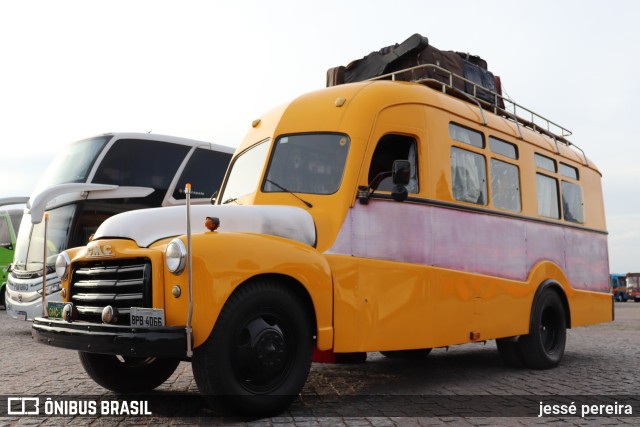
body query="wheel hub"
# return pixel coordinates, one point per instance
(270, 350)
(262, 351)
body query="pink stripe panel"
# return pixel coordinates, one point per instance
(472, 242)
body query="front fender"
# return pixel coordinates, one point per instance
(224, 261)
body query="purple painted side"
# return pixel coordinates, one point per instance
(472, 242)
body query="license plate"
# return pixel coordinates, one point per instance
(22, 315)
(146, 317)
(54, 309)
(21, 287)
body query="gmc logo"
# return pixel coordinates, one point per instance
(100, 251)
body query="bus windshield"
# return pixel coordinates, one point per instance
(307, 163)
(245, 173)
(73, 163)
(29, 251)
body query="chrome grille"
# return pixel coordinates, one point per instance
(121, 284)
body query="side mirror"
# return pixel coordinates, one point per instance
(401, 174)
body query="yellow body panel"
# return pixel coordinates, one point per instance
(364, 304)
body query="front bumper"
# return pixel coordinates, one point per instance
(167, 341)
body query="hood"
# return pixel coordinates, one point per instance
(146, 226)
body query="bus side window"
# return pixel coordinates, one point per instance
(547, 196)
(505, 185)
(468, 176)
(204, 171)
(390, 148)
(572, 208)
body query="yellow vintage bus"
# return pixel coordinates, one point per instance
(376, 216)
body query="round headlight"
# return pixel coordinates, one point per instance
(176, 256)
(62, 265)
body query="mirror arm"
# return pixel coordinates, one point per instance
(365, 191)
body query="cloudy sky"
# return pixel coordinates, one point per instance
(206, 69)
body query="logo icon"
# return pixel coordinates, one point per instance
(23, 406)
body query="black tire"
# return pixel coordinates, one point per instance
(543, 348)
(2, 292)
(509, 352)
(257, 358)
(416, 354)
(127, 374)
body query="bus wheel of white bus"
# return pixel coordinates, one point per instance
(416, 354)
(127, 374)
(257, 358)
(509, 352)
(543, 348)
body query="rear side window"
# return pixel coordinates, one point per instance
(568, 171)
(468, 176)
(572, 206)
(204, 171)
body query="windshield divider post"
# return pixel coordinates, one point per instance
(187, 192)
(44, 267)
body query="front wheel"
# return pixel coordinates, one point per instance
(257, 358)
(127, 374)
(543, 348)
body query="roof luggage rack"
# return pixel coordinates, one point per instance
(534, 121)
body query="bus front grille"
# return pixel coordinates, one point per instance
(121, 284)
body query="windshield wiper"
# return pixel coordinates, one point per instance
(234, 199)
(307, 204)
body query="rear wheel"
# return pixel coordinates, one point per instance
(127, 374)
(543, 348)
(257, 358)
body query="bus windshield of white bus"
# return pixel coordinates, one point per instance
(73, 163)
(29, 251)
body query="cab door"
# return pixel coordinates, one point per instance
(381, 290)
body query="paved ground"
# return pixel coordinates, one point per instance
(464, 385)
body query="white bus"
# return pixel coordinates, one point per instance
(93, 179)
